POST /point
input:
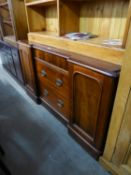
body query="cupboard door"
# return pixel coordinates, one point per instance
(92, 95)
(87, 96)
(11, 64)
(27, 67)
(17, 63)
(4, 60)
(6, 57)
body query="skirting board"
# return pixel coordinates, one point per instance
(113, 169)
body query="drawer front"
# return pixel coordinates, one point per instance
(53, 76)
(51, 58)
(54, 100)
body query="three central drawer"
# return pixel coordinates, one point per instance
(53, 82)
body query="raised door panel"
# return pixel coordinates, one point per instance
(27, 66)
(87, 96)
(92, 100)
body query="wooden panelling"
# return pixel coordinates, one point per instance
(11, 61)
(104, 18)
(27, 67)
(124, 138)
(19, 17)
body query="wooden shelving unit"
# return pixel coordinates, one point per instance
(107, 19)
(42, 16)
(3, 4)
(6, 20)
(13, 20)
(40, 3)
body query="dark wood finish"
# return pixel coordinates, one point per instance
(57, 59)
(92, 100)
(28, 69)
(53, 99)
(16, 59)
(97, 65)
(13, 21)
(11, 64)
(7, 59)
(56, 77)
(83, 96)
(11, 61)
(53, 81)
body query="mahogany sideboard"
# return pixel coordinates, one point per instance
(80, 90)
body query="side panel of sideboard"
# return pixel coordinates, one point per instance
(28, 70)
(92, 100)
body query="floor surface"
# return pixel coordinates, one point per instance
(35, 142)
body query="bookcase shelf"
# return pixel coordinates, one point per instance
(13, 20)
(43, 19)
(40, 3)
(106, 19)
(49, 22)
(7, 28)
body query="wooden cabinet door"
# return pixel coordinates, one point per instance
(10, 63)
(92, 100)
(27, 67)
(17, 64)
(7, 59)
(4, 59)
